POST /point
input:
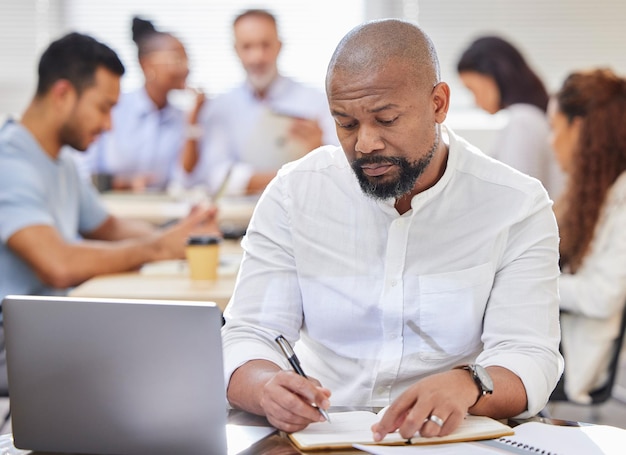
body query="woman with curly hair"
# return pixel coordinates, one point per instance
(588, 120)
(501, 80)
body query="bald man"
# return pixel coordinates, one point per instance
(408, 268)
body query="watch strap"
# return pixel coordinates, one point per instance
(483, 389)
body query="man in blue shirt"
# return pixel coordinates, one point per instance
(54, 232)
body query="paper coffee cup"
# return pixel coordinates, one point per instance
(202, 253)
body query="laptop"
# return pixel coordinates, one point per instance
(115, 376)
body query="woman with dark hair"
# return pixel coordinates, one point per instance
(148, 133)
(588, 115)
(501, 80)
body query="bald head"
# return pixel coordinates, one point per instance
(373, 45)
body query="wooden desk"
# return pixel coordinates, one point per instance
(168, 280)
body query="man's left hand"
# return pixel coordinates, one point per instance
(434, 406)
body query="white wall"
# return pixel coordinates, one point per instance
(26, 27)
(205, 27)
(557, 36)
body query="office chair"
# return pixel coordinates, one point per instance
(603, 393)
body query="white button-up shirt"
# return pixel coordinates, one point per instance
(378, 300)
(524, 144)
(593, 299)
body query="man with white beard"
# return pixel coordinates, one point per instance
(232, 145)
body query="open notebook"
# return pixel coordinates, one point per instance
(348, 428)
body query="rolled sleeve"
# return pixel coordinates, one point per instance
(242, 344)
(521, 328)
(266, 301)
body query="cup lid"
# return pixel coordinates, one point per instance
(203, 240)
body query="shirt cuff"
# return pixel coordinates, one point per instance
(537, 382)
(243, 351)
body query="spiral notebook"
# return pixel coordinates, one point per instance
(532, 438)
(545, 439)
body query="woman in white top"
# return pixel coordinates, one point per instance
(501, 80)
(587, 116)
(148, 133)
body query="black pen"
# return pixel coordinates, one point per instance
(295, 363)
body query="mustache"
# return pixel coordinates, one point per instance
(394, 160)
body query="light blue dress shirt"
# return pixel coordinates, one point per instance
(143, 140)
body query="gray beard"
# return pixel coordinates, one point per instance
(410, 172)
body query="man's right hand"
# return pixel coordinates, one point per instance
(283, 397)
(287, 400)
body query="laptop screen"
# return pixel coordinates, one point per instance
(115, 376)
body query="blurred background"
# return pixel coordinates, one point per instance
(556, 36)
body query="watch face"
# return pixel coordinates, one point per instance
(483, 377)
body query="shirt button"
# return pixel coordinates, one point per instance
(394, 283)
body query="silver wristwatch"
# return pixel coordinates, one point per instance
(480, 377)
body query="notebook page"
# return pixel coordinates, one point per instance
(345, 427)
